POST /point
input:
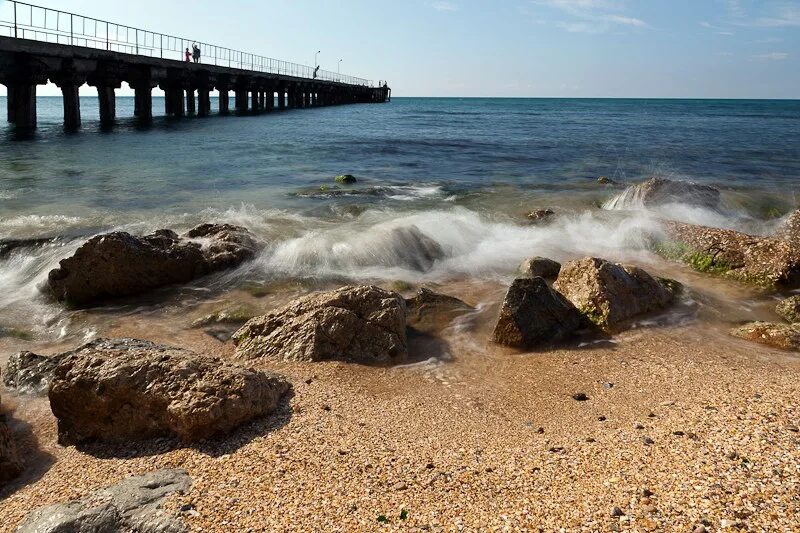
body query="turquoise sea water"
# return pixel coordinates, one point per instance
(462, 171)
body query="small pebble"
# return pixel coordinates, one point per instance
(639, 426)
(616, 512)
(580, 397)
(601, 418)
(648, 441)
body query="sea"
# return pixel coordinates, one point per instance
(463, 172)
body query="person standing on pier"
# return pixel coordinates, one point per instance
(196, 53)
(188, 55)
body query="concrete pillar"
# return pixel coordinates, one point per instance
(314, 101)
(281, 98)
(204, 102)
(224, 101)
(241, 100)
(108, 104)
(255, 106)
(269, 99)
(10, 102)
(72, 106)
(143, 102)
(190, 102)
(167, 102)
(24, 106)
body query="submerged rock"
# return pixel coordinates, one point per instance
(660, 191)
(121, 390)
(133, 504)
(347, 179)
(789, 309)
(539, 267)
(119, 264)
(413, 249)
(534, 314)
(235, 314)
(363, 324)
(782, 336)
(430, 312)
(609, 293)
(10, 461)
(29, 373)
(765, 261)
(539, 216)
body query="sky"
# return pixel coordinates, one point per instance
(513, 48)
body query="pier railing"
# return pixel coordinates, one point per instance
(26, 21)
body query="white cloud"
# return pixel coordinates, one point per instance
(591, 16)
(772, 56)
(443, 5)
(785, 17)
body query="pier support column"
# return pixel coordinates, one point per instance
(224, 101)
(143, 103)
(72, 107)
(269, 99)
(23, 110)
(281, 98)
(241, 100)
(191, 109)
(108, 104)
(10, 102)
(203, 102)
(255, 105)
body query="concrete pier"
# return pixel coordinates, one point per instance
(26, 64)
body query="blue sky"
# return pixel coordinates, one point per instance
(586, 48)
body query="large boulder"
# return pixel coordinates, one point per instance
(767, 261)
(119, 264)
(30, 373)
(431, 312)
(608, 294)
(790, 229)
(534, 314)
(539, 267)
(121, 390)
(363, 324)
(10, 462)
(661, 191)
(133, 504)
(789, 309)
(782, 336)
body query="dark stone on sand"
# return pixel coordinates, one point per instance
(534, 314)
(580, 397)
(119, 264)
(133, 504)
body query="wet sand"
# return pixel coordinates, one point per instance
(472, 436)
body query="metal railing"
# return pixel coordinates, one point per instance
(26, 21)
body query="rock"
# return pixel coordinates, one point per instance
(430, 312)
(122, 390)
(363, 324)
(235, 314)
(133, 504)
(648, 441)
(766, 261)
(580, 397)
(789, 309)
(541, 215)
(603, 180)
(9, 245)
(533, 314)
(29, 373)
(660, 191)
(10, 461)
(609, 293)
(347, 179)
(411, 249)
(783, 336)
(790, 229)
(119, 264)
(616, 512)
(539, 267)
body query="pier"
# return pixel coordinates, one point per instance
(40, 45)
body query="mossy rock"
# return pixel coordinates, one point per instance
(602, 180)
(347, 179)
(789, 309)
